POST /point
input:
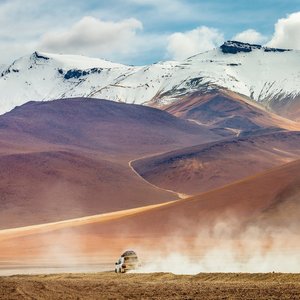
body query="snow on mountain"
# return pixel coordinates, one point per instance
(264, 74)
(258, 72)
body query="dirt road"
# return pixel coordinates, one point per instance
(109, 285)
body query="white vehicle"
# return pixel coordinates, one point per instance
(127, 261)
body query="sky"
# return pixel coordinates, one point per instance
(139, 32)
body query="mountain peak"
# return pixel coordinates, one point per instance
(234, 47)
(68, 61)
(38, 55)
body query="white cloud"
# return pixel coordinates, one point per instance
(250, 36)
(286, 33)
(34, 18)
(92, 36)
(114, 31)
(184, 44)
(41, 24)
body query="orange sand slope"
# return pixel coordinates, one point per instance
(262, 201)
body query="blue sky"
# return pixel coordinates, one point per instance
(142, 31)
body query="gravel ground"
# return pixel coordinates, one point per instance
(108, 285)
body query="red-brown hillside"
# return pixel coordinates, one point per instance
(69, 158)
(205, 167)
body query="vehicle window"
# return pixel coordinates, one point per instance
(131, 259)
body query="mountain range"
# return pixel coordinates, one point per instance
(268, 76)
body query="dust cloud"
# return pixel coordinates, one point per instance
(222, 249)
(226, 246)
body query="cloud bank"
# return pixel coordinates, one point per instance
(134, 31)
(184, 44)
(250, 36)
(93, 36)
(286, 33)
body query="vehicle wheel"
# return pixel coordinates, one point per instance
(116, 271)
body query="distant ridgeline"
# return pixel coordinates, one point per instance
(234, 47)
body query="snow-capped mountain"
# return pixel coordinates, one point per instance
(267, 75)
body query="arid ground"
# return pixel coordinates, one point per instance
(109, 285)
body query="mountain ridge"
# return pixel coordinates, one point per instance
(269, 76)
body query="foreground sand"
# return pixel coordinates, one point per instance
(109, 285)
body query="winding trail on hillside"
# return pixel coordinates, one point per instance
(179, 195)
(98, 218)
(237, 132)
(197, 122)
